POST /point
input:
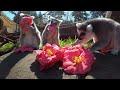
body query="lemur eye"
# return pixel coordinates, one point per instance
(82, 34)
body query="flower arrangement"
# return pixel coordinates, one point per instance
(76, 59)
(25, 22)
(48, 56)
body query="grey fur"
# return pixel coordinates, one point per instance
(31, 38)
(105, 32)
(46, 33)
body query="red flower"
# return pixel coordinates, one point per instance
(24, 49)
(104, 50)
(24, 21)
(77, 60)
(52, 27)
(48, 56)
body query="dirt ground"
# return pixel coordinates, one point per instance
(24, 66)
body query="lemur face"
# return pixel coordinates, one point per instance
(26, 21)
(84, 32)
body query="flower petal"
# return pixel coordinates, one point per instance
(82, 67)
(49, 56)
(67, 63)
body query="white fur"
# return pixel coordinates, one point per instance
(89, 27)
(77, 24)
(50, 17)
(22, 14)
(55, 18)
(32, 17)
(60, 20)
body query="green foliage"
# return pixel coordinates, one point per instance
(16, 18)
(40, 18)
(77, 15)
(6, 47)
(80, 15)
(56, 14)
(96, 14)
(69, 41)
(16, 45)
(37, 19)
(65, 42)
(34, 13)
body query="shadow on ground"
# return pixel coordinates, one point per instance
(8, 63)
(52, 73)
(105, 67)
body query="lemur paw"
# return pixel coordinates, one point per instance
(114, 51)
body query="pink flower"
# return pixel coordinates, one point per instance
(77, 60)
(24, 49)
(48, 56)
(104, 50)
(52, 27)
(24, 21)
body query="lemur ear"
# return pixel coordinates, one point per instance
(60, 21)
(32, 17)
(89, 27)
(78, 24)
(51, 17)
(22, 14)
